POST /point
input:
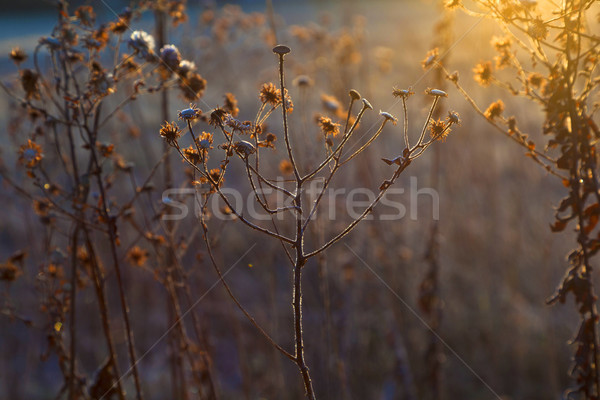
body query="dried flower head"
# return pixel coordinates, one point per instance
(436, 92)
(354, 94)
(431, 58)
(303, 81)
(190, 114)
(494, 110)
(170, 132)
(205, 141)
(535, 79)
(501, 44)
(404, 93)
(18, 55)
(281, 50)
(328, 126)
(537, 29)
(244, 148)
(192, 86)
(453, 77)
(192, 155)
(9, 272)
(388, 117)
(483, 73)
(42, 207)
(186, 66)
(438, 130)
(29, 82)
(170, 57)
(269, 94)
(231, 104)
(85, 15)
(366, 104)
(137, 256)
(217, 117)
(142, 44)
(30, 154)
(285, 167)
(453, 118)
(330, 103)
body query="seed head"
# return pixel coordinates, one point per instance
(170, 57)
(438, 129)
(483, 73)
(281, 50)
(430, 59)
(30, 154)
(303, 81)
(404, 93)
(170, 132)
(18, 55)
(436, 92)
(388, 117)
(366, 104)
(9, 272)
(190, 114)
(186, 66)
(494, 110)
(244, 148)
(142, 44)
(269, 94)
(354, 94)
(453, 118)
(328, 126)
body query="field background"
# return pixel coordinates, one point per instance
(499, 261)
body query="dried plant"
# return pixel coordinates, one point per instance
(549, 57)
(250, 154)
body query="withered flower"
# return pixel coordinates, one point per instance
(438, 129)
(29, 82)
(30, 154)
(431, 58)
(328, 126)
(192, 86)
(190, 114)
(137, 256)
(483, 73)
(9, 272)
(18, 55)
(231, 104)
(494, 110)
(269, 94)
(170, 132)
(285, 167)
(404, 93)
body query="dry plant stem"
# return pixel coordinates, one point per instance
(100, 294)
(233, 210)
(230, 293)
(286, 134)
(73, 320)
(299, 245)
(112, 233)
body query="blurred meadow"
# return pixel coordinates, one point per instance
(369, 330)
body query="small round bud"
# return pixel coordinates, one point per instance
(354, 94)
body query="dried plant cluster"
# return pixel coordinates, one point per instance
(250, 153)
(72, 116)
(549, 56)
